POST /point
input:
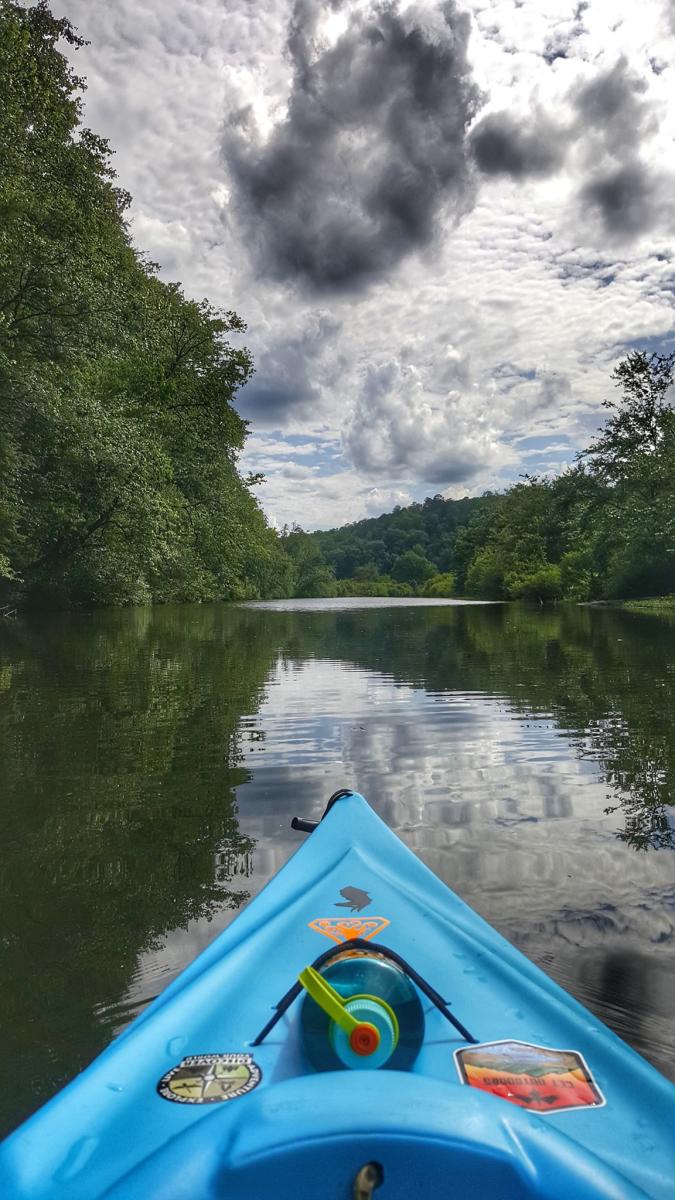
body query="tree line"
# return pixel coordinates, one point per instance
(603, 529)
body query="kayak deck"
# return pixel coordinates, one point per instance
(294, 1132)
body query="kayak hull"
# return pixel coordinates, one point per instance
(113, 1133)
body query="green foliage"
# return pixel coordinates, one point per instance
(309, 574)
(118, 438)
(429, 528)
(578, 580)
(634, 457)
(398, 588)
(543, 584)
(440, 586)
(364, 587)
(368, 571)
(412, 567)
(485, 576)
(382, 585)
(662, 606)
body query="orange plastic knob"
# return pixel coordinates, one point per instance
(365, 1039)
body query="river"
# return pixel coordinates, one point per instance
(151, 761)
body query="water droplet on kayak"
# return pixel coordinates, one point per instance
(643, 1123)
(457, 955)
(115, 1087)
(644, 1142)
(77, 1157)
(518, 1014)
(482, 978)
(469, 970)
(175, 1045)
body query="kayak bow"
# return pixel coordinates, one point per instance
(356, 1031)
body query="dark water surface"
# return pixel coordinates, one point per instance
(151, 761)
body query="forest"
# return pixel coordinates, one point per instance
(120, 442)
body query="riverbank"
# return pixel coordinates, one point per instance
(659, 606)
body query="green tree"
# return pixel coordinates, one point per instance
(311, 576)
(440, 585)
(634, 457)
(542, 584)
(485, 576)
(642, 423)
(431, 527)
(368, 571)
(412, 567)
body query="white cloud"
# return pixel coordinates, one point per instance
(400, 429)
(380, 500)
(298, 471)
(266, 445)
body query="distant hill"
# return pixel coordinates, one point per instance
(374, 545)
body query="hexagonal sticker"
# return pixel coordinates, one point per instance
(530, 1076)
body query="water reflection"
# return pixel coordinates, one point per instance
(604, 678)
(119, 760)
(151, 762)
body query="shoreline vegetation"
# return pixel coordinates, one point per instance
(657, 606)
(120, 442)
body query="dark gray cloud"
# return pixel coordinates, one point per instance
(624, 199)
(371, 148)
(285, 386)
(504, 146)
(614, 118)
(611, 119)
(269, 400)
(613, 107)
(553, 390)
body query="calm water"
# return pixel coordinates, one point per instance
(151, 761)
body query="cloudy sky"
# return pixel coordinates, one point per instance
(443, 222)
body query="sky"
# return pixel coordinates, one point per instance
(443, 222)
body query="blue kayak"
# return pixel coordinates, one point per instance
(357, 1031)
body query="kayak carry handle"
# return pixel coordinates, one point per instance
(303, 826)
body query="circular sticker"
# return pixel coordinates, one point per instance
(210, 1078)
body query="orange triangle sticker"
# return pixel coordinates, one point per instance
(345, 929)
